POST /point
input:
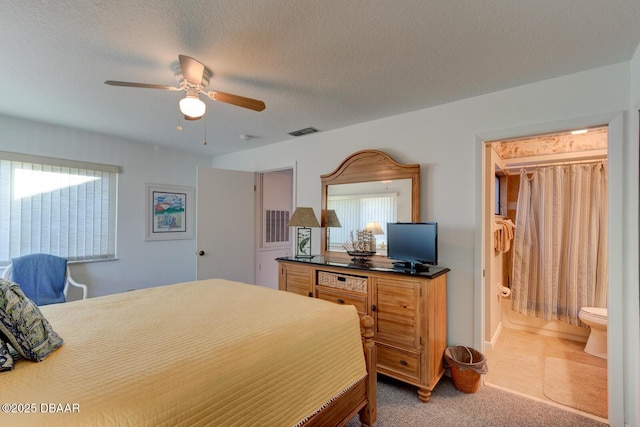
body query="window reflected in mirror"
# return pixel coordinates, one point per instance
(367, 206)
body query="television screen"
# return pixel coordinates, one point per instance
(412, 243)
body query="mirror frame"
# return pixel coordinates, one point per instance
(366, 166)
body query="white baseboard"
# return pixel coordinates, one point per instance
(489, 344)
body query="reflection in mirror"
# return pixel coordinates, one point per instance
(367, 206)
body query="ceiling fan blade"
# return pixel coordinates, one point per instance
(240, 101)
(192, 69)
(142, 85)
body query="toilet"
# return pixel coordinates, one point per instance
(596, 319)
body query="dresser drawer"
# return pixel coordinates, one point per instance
(343, 281)
(333, 295)
(398, 361)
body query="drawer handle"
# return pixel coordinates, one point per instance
(403, 363)
(342, 279)
(310, 294)
(340, 301)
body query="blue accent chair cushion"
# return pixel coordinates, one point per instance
(41, 277)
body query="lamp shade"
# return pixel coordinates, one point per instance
(303, 217)
(332, 219)
(192, 106)
(374, 227)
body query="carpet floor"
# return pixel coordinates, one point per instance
(398, 405)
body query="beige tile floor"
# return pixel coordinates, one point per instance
(517, 360)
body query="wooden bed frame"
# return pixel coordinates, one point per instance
(360, 399)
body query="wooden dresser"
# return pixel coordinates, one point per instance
(409, 310)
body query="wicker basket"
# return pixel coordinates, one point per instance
(467, 381)
(343, 281)
(466, 365)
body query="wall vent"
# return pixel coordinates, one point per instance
(275, 227)
(304, 131)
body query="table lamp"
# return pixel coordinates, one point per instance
(304, 219)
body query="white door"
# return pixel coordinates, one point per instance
(225, 225)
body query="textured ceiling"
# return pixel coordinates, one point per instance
(321, 63)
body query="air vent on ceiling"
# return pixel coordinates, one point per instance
(304, 131)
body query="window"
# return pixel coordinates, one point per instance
(496, 200)
(56, 206)
(355, 211)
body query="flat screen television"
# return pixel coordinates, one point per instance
(413, 244)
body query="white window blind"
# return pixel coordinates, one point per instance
(56, 206)
(355, 211)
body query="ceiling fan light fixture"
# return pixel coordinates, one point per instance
(192, 107)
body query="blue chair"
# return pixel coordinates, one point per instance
(43, 278)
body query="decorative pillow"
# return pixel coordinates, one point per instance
(6, 361)
(24, 326)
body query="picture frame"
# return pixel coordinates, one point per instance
(303, 244)
(168, 212)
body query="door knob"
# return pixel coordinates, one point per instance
(201, 253)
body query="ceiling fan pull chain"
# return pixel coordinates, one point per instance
(204, 142)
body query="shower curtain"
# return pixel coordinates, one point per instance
(560, 242)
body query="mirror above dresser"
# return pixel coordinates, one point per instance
(367, 190)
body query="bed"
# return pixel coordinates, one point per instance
(211, 352)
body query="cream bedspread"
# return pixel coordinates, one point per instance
(211, 352)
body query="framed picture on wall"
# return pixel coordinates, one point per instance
(168, 212)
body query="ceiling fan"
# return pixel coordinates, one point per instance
(193, 78)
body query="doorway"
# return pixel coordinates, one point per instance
(274, 205)
(521, 347)
(242, 224)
